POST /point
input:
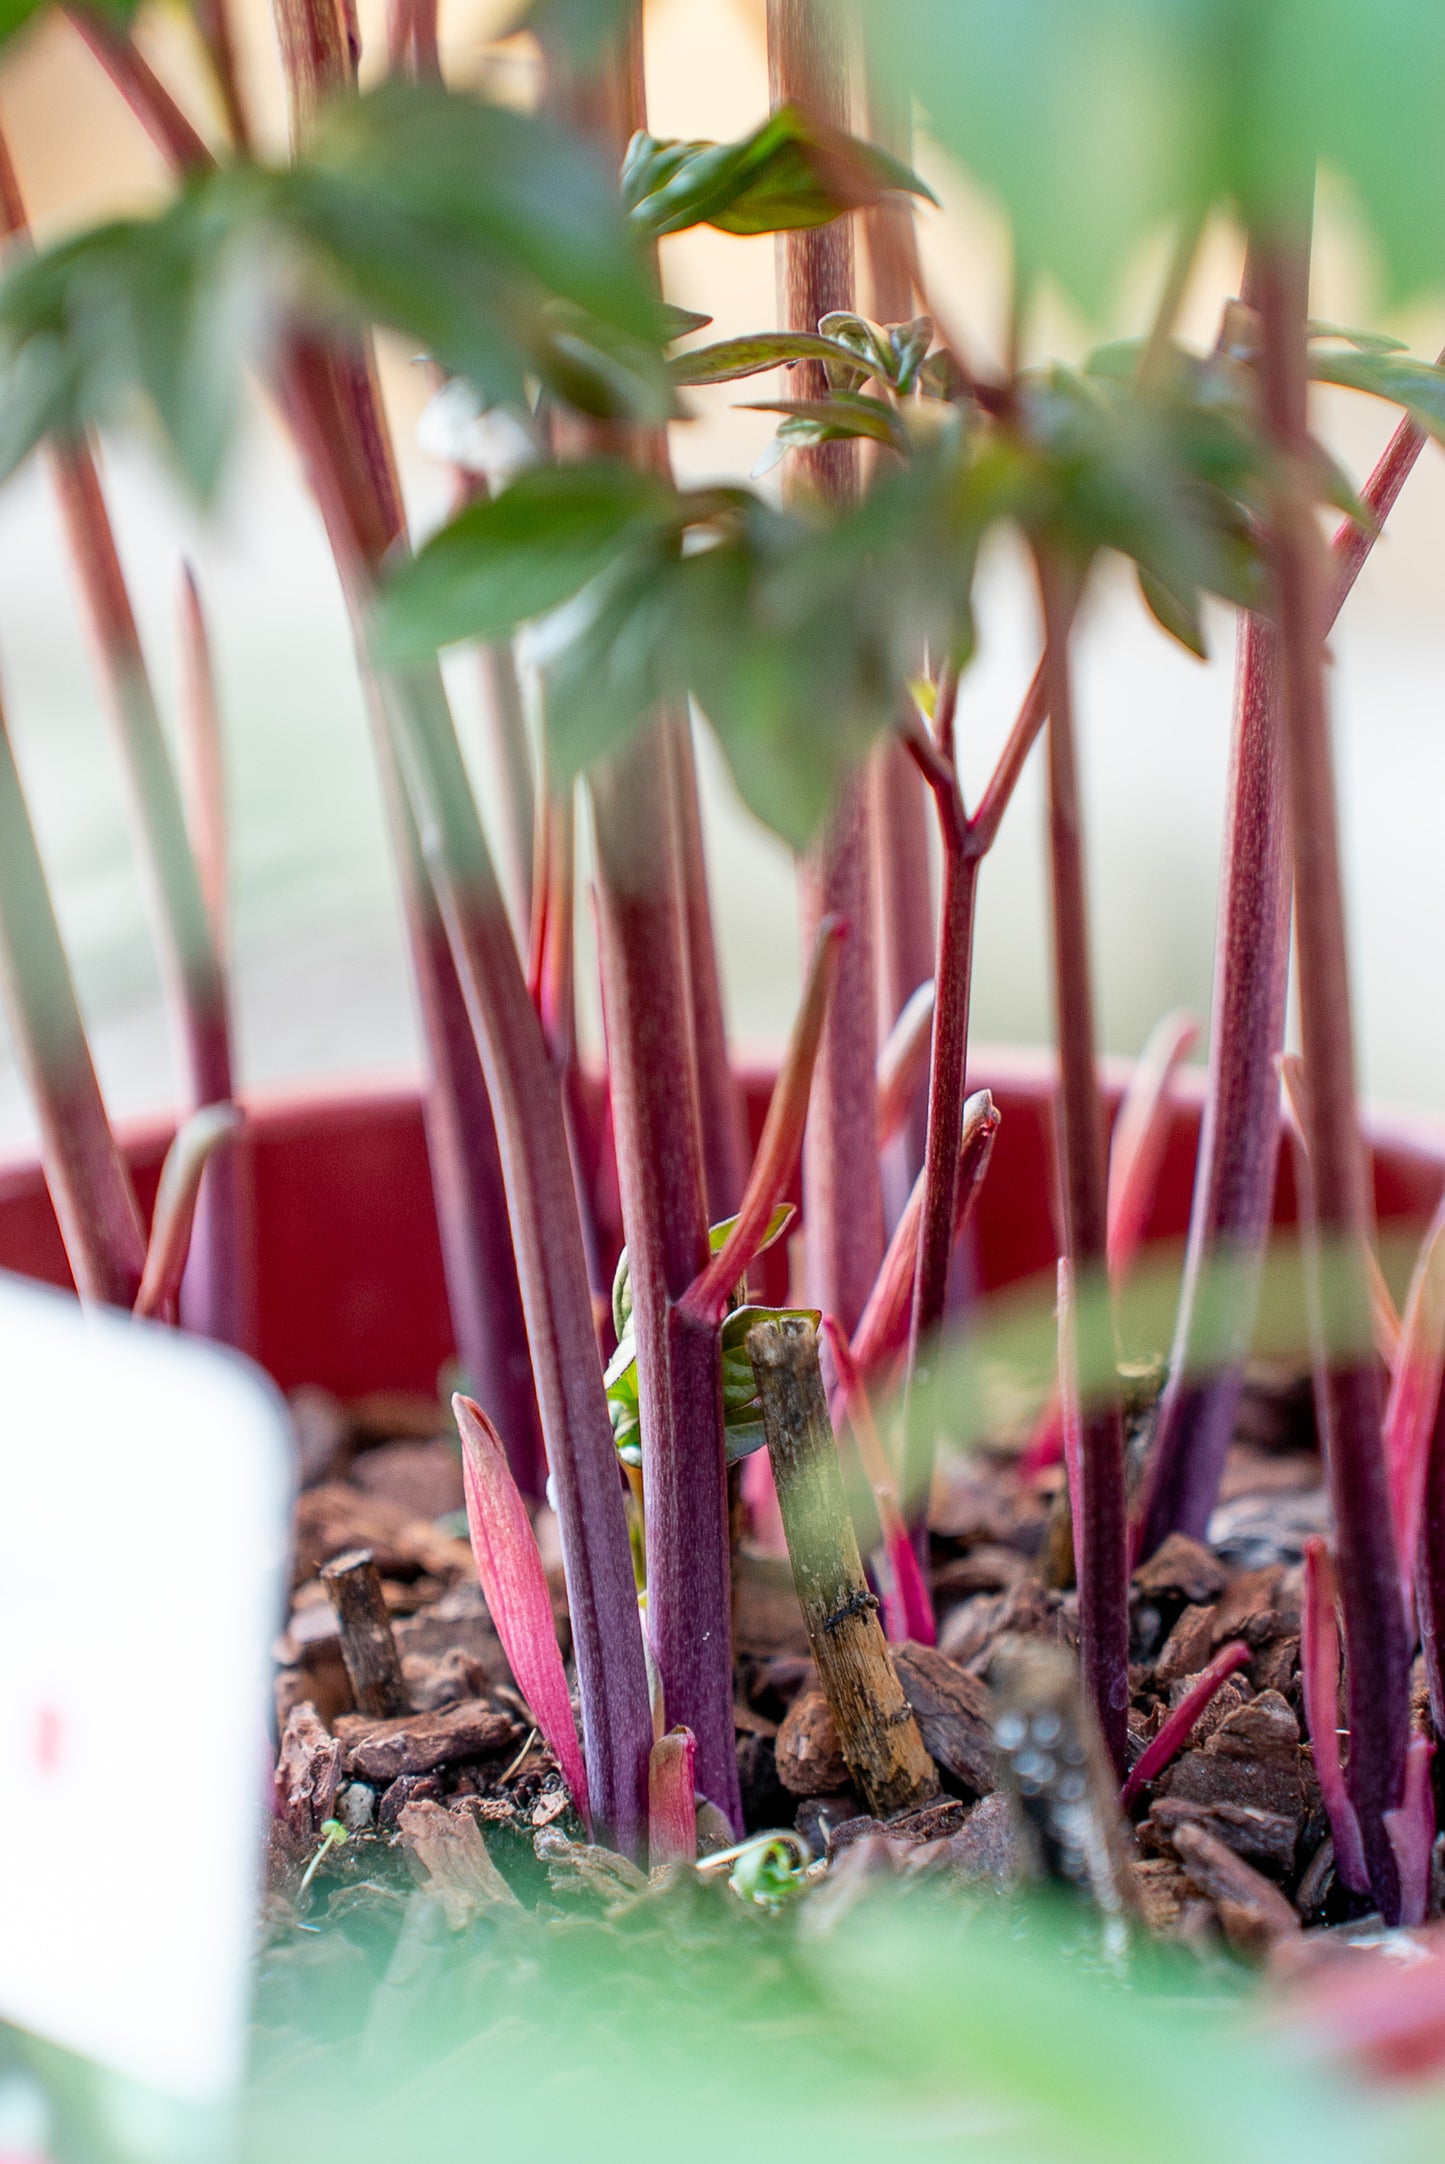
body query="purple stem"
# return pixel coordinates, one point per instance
(1349, 1397)
(526, 1096)
(1239, 1139)
(684, 1476)
(720, 1100)
(1102, 1512)
(842, 1183)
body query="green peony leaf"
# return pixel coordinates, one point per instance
(791, 172)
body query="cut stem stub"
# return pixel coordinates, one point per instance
(879, 1736)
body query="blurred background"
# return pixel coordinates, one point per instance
(320, 975)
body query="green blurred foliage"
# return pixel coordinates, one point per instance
(699, 2027)
(491, 239)
(1095, 123)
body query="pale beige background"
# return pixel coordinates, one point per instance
(320, 975)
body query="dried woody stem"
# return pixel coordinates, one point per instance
(879, 1736)
(368, 1643)
(1349, 1391)
(842, 1186)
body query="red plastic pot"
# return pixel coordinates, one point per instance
(351, 1293)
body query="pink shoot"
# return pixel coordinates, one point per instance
(195, 1143)
(1179, 1726)
(1320, 1675)
(1411, 1829)
(672, 1800)
(1071, 1411)
(903, 1062)
(781, 1140)
(1141, 1131)
(514, 1586)
(1414, 1399)
(882, 1330)
(907, 1603)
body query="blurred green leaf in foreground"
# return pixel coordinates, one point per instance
(1095, 123)
(924, 2025)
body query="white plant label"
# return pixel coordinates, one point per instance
(144, 1511)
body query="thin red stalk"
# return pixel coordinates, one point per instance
(1179, 1726)
(882, 1328)
(1141, 1136)
(1411, 1830)
(218, 1299)
(1431, 1574)
(213, 20)
(842, 1182)
(1349, 1405)
(902, 874)
(333, 406)
(1070, 1409)
(173, 134)
(1414, 1402)
(664, 1215)
(1103, 1567)
(781, 1138)
(89, 1184)
(907, 1604)
(1320, 1679)
(203, 762)
(174, 1216)
(672, 1800)
(526, 1098)
(551, 967)
(903, 1061)
(336, 423)
(720, 1100)
(1238, 1144)
(966, 841)
(953, 971)
(514, 1586)
(504, 718)
(331, 403)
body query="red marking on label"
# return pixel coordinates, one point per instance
(49, 1741)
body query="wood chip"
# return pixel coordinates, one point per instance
(308, 1772)
(451, 1850)
(810, 1757)
(1188, 1647)
(420, 1742)
(1261, 1837)
(1252, 1913)
(1181, 1566)
(954, 1712)
(1253, 1758)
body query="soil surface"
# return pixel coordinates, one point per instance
(1225, 1850)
